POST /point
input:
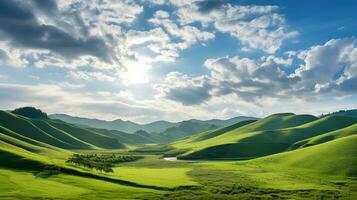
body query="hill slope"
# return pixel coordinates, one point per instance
(350, 130)
(251, 140)
(334, 157)
(54, 133)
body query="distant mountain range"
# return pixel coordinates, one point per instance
(163, 127)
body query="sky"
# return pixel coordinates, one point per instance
(148, 60)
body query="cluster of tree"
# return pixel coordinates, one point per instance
(30, 112)
(100, 162)
(351, 113)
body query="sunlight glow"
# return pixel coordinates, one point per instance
(136, 73)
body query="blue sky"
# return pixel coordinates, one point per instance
(178, 59)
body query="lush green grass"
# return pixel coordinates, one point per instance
(163, 177)
(24, 185)
(335, 157)
(19, 154)
(264, 179)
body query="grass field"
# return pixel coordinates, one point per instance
(206, 180)
(163, 177)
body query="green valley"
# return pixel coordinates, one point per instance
(281, 156)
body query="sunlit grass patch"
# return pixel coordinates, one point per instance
(164, 177)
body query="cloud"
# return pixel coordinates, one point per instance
(328, 70)
(256, 27)
(69, 34)
(134, 37)
(187, 35)
(161, 14)
(206, 6)
(107, 13)
(158, 2)
(90, 76)
(184, 89)
(22, 28)
(68, 98)
(49, 6)
(250, 80)
(331, 67)
(11, 56)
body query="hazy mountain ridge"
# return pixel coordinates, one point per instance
(131, 127)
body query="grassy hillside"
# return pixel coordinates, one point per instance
(350, 130)
(22, 155)
(279, 121)
(186, 128)
(87, 135)
(62, 135)
(252, 140)
(213, 133)
(54, 133)
(334, 157)
(23, 126)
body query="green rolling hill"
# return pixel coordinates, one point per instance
(319, 139)
(273, 134)
(55, 133)
(88, 136)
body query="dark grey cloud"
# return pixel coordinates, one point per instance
(48, 7)
(19, 24)
(207, 6)
(189, 95)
